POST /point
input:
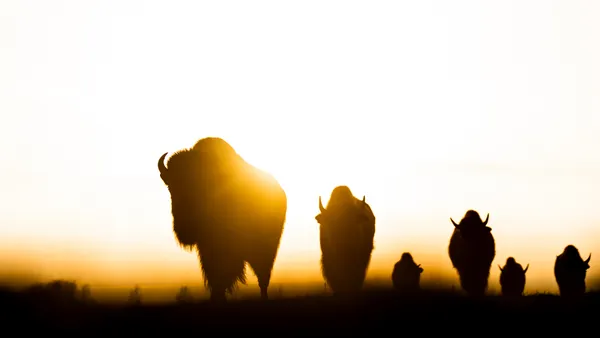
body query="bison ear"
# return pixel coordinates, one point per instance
(488, 229)
(319, 217)
(420, 270)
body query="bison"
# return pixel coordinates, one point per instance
(347, 230)
(472, 249)
(229, 211)
(512, 278)
(570, 271)
(406, 275)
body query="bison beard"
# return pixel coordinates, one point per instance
(344, 269)
(229, 211)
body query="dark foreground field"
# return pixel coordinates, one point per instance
(377, 312)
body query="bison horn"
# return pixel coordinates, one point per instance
(527, 267)
(451, 220)
(364, 201)
(162, 168)
(499, 267)
(486, 219)
(588, 259)
(321, 205)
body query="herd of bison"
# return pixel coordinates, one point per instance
(232, 213)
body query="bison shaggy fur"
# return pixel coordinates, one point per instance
(347, 231)
(570, 271)
(512, 278)
(472, 249)
(406, 275)
(231, 212)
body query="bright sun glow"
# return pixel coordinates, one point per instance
(428, 108)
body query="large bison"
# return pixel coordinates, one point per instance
(570, 271)
(231, 212)
(347, 230)
(512, 278)
(472, 249)
(406, 275)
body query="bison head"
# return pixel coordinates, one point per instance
(407, 261)
(181, 176)
(331, 214)
(193, 176)
(571, 253)
(183, 182)
(471, 225)
(511, 262)
(407, 257)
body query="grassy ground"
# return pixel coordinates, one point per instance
(375, 310)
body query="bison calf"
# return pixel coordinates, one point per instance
(406, 275)
(512, 278)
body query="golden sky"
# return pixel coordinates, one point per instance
(428, 108)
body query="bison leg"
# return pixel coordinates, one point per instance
(222, 271)
(263, 274)
(263, 293)
(261, 262)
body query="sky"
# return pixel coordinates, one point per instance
(428, 108)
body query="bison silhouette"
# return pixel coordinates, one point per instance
(406, 275)
(229, 211)
(347, 230)
(472, 249)
(570, 271)
(512, 278)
